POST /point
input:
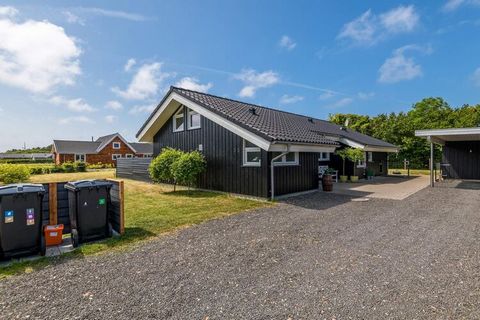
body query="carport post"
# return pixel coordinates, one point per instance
(432, 178)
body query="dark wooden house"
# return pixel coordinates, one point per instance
(251, 149)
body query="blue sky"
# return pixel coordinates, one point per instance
(73, 70)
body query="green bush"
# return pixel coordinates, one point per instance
(187, 168)
(69, 167)
(80, 166)
(14, 173)
(99, 165)
(161, 167)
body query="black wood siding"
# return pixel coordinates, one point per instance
(223, 151)
(301, 177)
(463, 163)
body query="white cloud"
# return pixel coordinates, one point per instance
(369, 28)
(111, 118)
(365, 95)
(326, 95)
(148, 108)
(400, 19)
(287, 43)
(145, 82)
(130, 63)
(340, 103)
(114, 14)
(73, 18)
(76, 105)
(113, 105)
(36, 55)
(8, 11)
(254, 81)
(79, 119)
(476, 77)
(286, 99)
(452, 5)
(193, 84)
(1, 109)
(399, 67)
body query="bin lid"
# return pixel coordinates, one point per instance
(12, 189)
(80, 184)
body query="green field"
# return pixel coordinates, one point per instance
(150, 210)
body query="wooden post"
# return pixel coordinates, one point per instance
(121, 195)
(52, 201)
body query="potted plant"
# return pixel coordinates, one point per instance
(343, 153)
(327, 181)
(354, 155)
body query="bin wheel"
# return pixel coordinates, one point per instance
(74, 238)
(110, 230)
(43, 246)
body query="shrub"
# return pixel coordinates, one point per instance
(80, 166)
(187, 168)
(12, 173)
(99, 165)
(161, 167)
(68, 167)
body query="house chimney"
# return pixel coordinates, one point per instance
(92, 138)
(310, 120)
(252, 111)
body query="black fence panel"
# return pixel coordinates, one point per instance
(135, 168)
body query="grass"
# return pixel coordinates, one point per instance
(150, 210)
(413, 172)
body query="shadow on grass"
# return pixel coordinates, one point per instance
(131, 236)
(193, 194)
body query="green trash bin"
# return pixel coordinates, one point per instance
(21, 220)
(89, 202)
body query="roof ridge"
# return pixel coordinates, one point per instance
(252, 104)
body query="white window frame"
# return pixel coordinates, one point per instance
(116, 156)
(370, 156)
(321, 158)
(246, 150)
(82, 155)
(283, 160)
(179, 114)
(362, 163)
(147, 155)
(116, 145)
(129, 156)
(189, 124)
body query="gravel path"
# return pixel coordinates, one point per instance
(318, 256)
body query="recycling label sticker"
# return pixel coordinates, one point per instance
(8, 216)
(101, 201)
(30, 215)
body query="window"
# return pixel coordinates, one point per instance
(116, 156)
(370, 156)
(193, 119)
(116, 145)
(147, 155)
(362, 163)
(129, 156)
(288, 159)
(178, 120)
(324, 156)
(80, 157)
(251, 154)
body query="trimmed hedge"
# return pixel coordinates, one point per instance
(14, 173)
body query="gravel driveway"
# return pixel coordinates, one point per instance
(318, 256)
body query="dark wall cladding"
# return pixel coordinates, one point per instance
(223, 151)
(301, 177)
(134, 168)
(462, 164)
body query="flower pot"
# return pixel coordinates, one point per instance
(343, 178)
(327, 182)
(354, 178)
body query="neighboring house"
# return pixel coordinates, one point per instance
(241, 141)
(29, 156)
(106, 149)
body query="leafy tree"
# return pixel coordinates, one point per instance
(342, 153)
(186, 169)
(161, 167)
(354, 155)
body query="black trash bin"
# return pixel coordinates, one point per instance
(88, 210)
(21, 220)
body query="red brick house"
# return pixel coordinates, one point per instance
(106, 149)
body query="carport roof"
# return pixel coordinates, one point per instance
(442, 135)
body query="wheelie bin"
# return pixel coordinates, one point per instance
(21, 220)
(88, 210)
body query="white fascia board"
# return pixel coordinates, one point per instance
(351, 143)
(121, 138)
(301, 148)
(447, 132)
(380, 149)
(238, 130)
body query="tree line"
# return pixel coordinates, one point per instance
(399, 128)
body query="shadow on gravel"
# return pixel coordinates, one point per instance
(319, 200)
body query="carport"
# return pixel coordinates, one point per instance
(460, 155)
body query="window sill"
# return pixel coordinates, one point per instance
(194, 128)
(251, 165)
(286, 165)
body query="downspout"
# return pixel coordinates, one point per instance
(272, 171)
(432, 177)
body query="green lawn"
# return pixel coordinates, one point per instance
(150, 210)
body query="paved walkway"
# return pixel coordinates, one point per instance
(318, 256)
(395, 188)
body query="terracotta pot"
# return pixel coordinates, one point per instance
(327, 182)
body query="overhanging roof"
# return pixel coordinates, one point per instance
(442, 135)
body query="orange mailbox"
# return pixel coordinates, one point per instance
(53, 234)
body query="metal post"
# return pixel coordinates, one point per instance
(432, 178)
